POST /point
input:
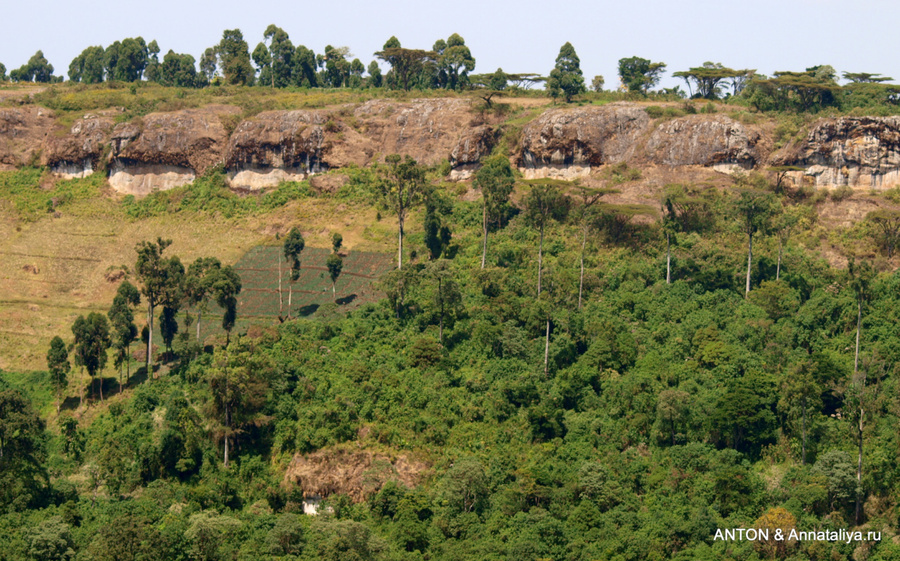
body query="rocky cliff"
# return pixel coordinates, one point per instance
(163, 150)
(855, 151)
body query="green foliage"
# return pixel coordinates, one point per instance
(23, 192)
(566, 78)
(639, 74)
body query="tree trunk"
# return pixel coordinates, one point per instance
(581, 276)
(199, 316)
(400, 246)
(333, 296)
(290, 296)
(668, 259)
(547, 349)
(859, 464)
(858, 327)
(100, 379)
(58, 393)
(778, 268)
(280, 293)
(540, 260)
(149, 338)
(749, 262)
(484, 226)
(803, 449)
(441, 297)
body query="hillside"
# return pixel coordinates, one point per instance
(613, 383)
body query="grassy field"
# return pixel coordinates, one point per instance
(57, 265)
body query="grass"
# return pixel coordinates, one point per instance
(32, 193)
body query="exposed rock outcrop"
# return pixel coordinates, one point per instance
(275, 146)
(165, 150)
(78, 153)
(853, 151)
(473, 145)
(703, 140)
(567, 143)
(22, 133)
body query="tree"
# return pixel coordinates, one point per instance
(234, 58)
(51, 541)
(124, 331)
(293, 246)
(336, 241)
(178, 70)
(401, 186)
(206, 532)
(168, 328)
(454, 61)
(708, 78)
(784, 226)
(597, 83)
(566, 77)
(865, 77)
(88, 66)
(589, 197)
(22, 452)
(447, 296)
(91, 343)
(886, 232)
(756, 209)
(639, 74)
(375, 78)
(161, 278)
(545, 202)
(197, 285)
(37, 69)
(437, 234)
(495, 179)
(3, 76)
(860, 279)
(281, 56)
(208, 63)
(225, 285)
(335, 264)
(237, 389)
(405, 63)
(58, 365)
(305, 66)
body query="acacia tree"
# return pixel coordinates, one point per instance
(545, 202)
(756, 209)
(405, 63)
(91, 343)
(566, 77)
(401, 186)
(161, 278)
(58, 365)
(496, 180)
(709, 77)
(293, 247)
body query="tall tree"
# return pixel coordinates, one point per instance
(447, 296)
(401, 186)
(281, 56)
(37, 69)
(124, 331)
(860, 277)
(58, 364)
(91, 343)
(495, 179)
(234, 58)
(709, 78)
(225, 285)
(545, 202)
(455, 61)
(161, 278)
(293, 246)
(197, 286)
(208, 63)
(756, 209)
(237, 385)
(589, 197)
(88, 66)
(22, 452)
(566, 78)
(335, 265)
(639, 74)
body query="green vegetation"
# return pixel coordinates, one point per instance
(640, 400)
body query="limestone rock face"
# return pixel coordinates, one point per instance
(165, 150)
(22, 132)
(852, 151)
(566, 143)
(425, 129)
(703, 140)
(473, 145)
(77, 153)
(275, 146)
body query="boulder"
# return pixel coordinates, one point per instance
(703, 140)
(78, 153)
(472, 146)
(23, 131)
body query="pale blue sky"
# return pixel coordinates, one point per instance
(523, 36)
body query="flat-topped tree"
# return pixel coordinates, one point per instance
(709, 78)
(865, 77)
(405, 63)
(496, 83)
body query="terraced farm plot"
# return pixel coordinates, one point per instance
(258, 269)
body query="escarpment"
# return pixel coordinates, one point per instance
(163, 150)
(853, 151)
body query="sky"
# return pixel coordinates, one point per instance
(521, 36)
